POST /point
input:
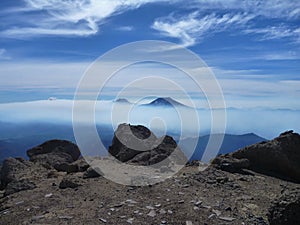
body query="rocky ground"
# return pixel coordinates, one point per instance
(62, 189)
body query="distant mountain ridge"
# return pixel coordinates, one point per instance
(122, 100)
(231, 142)
(16, 145)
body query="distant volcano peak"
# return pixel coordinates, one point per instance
(165, 101)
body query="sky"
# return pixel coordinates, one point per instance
(252, 47)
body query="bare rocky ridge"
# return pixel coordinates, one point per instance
(231, 191)
(279, 157)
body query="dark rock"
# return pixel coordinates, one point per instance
(138, 145)
(54, 153)
(285, 210)
(230, 164)
(193, 163)
(70, 182)
(130, 141)
(79, 165)
(19, 185)
(279, 157)
(12, 170)
(66, 167)
(91, 173)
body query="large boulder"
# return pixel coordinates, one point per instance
(285, 210)
(138, 145)
(279, 157)
(54, 153)
(19, 185)
(12, 170)
(15, 175)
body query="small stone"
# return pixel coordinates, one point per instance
(123, 217)
(103, 220)
(131, 201)
(181, 201)
(37, 217)
(180, 193)
(149, 207)
(19, 203)
(152, 213)
(65, 217)
(196, 208)
(163, 222)
(119, 204)
(48, 195)
(217, 212)
(188, 222)
(136, 211)
(170, 211)
(130, 220)
(225, 218)
(211, 216)
(162, 211)
(198, 203)
(228, 208)
(157, 205)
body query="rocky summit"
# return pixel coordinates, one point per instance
(57, 186)
(138, 145)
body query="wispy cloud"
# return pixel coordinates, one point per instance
(276, 32)
(192, 28)
(65, 18)
(287, 9)
(126, 28)
(3, 54)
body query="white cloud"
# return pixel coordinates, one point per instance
(126, 28)
(66, 18)
(192, 28)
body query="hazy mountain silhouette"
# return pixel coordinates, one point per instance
(122, 100)
(230, 143)
(165, 102)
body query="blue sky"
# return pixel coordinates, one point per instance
(253, 47)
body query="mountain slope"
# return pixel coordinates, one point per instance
(230, 143)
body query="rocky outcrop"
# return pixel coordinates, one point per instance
(279, 157)
(79, 165)
(12, 170)
(54, 153)
(285, 210)
(231, 164)
(138, 145)
(19, 185)
(70, 181)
